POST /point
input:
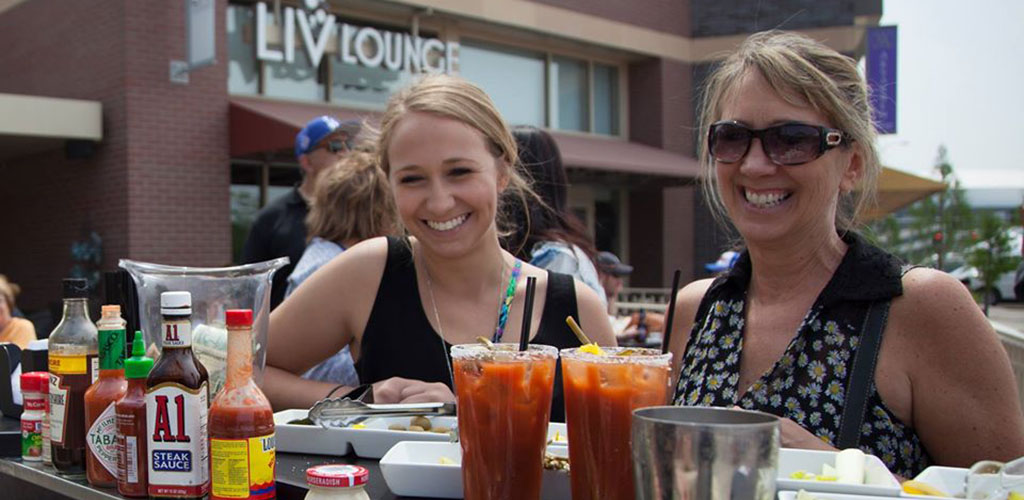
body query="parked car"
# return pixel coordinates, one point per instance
(1002, 291)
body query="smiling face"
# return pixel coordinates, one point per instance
(446, 183)
(767, 202)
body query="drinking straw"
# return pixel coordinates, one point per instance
(524, 334)
(671, 312)
(577, 330)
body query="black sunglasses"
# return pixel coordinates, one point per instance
(786, 144)
(337, 146)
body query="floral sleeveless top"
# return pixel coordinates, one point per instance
(809, 382)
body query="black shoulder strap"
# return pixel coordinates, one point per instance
(862, 375)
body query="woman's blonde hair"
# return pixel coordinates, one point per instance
(458, 99)
(8, 292)
(802, 71)
(352, 201)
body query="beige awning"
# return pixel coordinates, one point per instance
(898, 189)
(32, 124)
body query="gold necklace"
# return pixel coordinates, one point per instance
(437, 316)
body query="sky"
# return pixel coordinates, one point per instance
(960, 82)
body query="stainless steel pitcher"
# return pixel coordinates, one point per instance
(705, 453)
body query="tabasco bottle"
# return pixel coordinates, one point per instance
(73, 367)
(177, 392)
(242, 447)
(100, 417)
(132, 459)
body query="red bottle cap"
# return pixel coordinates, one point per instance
(30, 382)
(238, 317)
(44, 381)
(337, 476)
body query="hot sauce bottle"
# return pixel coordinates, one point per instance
(242, 447)
(100, 418)
(177, 391)
(132, 460)
(71, 361)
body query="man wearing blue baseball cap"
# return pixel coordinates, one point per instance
(280, 227)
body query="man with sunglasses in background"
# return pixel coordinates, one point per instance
(280, 227)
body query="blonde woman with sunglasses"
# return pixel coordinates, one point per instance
(813, 323)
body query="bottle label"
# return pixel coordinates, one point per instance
(177, 333)
(31, 440)
(34, 404)
(111, 347)
(58, 405)
(102, 439)
(243, 468)
(179, 461)
(46, 441)
(131, 467)
(68, 365)
(94, 367)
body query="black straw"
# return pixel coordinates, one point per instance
(671, 312)
(524, 334)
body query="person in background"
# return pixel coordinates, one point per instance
(18, 331)
(400, 303)
(611, 270)
(352, 202)
(280, 227)
(789, 158)
(724, 262)
(637, 324)
(554, 238)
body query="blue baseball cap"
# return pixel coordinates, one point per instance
(322, 126)
(724, 262)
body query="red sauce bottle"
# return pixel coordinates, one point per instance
(100, 419)
(177, 395)
(241, 423)
(130, 411)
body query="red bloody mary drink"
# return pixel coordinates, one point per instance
(504, 401)
(601, 392)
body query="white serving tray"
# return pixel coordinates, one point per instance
(951, 480)
(791, 495)
(414, 468)
(881, 482)
(313, 439)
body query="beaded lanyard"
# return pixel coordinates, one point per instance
(506, 304)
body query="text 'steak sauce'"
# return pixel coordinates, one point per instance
(100, 418)
(132, 459)
(242, 443)
(177, 391)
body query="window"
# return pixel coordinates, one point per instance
(359, 84)
(606, 99)
(514, 79)
(570, 94)
(242, 65)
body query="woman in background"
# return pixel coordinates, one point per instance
(351, 203)
(18, 331)
(552, 237)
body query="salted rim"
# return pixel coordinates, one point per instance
(645, 356)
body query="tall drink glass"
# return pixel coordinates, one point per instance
(601, 392)
(504, 403)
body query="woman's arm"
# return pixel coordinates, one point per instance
(593, 316)
(328, 312)
(964, 402)
(687, 301)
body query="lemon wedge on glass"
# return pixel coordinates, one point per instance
(592, 349)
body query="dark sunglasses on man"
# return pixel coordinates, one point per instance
(336, 146)
(786, 144)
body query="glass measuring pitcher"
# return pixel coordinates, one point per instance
(214, 290)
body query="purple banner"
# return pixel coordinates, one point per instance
(881, 69)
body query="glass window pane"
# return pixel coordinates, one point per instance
(514, 79)
(242, 77)
(569, 94)
(359, 84)
(606, 99)
(294, 80)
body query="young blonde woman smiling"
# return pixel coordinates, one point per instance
(399, 303)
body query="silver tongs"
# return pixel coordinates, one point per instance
(344, 411)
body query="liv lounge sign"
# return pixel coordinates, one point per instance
(354, 45)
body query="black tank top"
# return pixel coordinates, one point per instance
(400, 342)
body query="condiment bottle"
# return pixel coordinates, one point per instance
(32, 393)
(337, 482)
(73, 367)
(45, 389)
(241, 423)
(132, 461)
(176, 408)
(100, 418)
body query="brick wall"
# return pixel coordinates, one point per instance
(157, 186)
